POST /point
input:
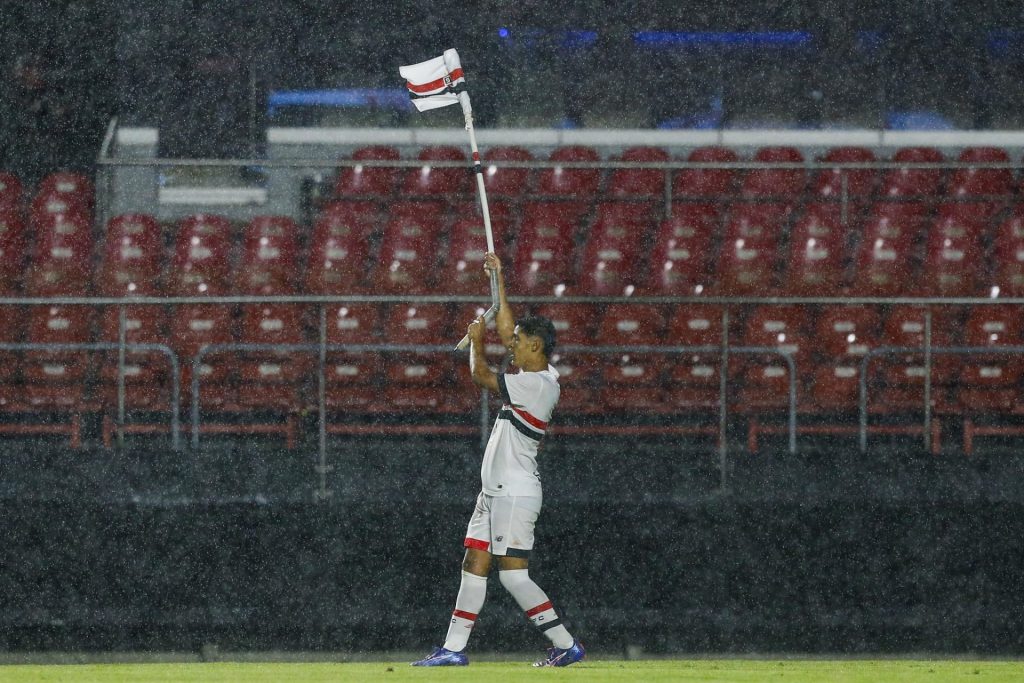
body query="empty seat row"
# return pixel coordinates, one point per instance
(428, 179)
(611, 248)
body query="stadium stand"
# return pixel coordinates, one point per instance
(758, 232)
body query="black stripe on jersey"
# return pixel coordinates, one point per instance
(503, 388)
(550, 624)
(517, 552)
(506, 414)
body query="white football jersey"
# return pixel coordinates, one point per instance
(510, 459)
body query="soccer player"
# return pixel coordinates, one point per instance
(509, 504)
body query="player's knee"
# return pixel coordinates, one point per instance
(477, 562)
(513, 579)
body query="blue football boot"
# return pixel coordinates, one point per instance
(560, 657)
(443, 657)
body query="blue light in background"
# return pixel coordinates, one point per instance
(723, 38)
(503, 32)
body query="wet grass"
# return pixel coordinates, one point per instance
(655, 671)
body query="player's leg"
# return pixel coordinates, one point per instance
(476, 565)
(513, 521)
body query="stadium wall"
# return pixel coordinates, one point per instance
(830, 551)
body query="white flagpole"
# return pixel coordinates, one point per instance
(467, 111)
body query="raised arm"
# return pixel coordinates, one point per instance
(478, 368)
(505, 320)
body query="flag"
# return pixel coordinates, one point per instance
(435, 82)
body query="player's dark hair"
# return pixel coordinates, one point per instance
(539, 326)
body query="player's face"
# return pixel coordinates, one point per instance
(520, 346)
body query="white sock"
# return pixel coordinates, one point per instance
(467, 606)
(535, 603)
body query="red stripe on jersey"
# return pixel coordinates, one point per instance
(530, 419)
(433, 85)
(476, 544)
(543, 607)
(468, 616)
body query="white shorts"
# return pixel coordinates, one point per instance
(503, 525)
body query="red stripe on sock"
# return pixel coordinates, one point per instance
(543, 607)
(469, 616)
(476, 544)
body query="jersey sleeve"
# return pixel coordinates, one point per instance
(518, 390)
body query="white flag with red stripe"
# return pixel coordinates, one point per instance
(436, 82)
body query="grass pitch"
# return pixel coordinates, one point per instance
(601, 671)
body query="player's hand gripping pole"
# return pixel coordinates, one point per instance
(488, 317)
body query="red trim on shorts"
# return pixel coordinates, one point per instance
(543, 607)
(476, 544)
(468, 616)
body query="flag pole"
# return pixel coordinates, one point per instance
(467, 111)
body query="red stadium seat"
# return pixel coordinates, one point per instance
(350, 382)
(12, 331)
(353, 324)
(859, 183)
(146, 372)
(706, 182)
(339, 247)
(631, 325)
(418, 324)
(133, 255)
(576, 183)
(408, 257)
(817, 253)
(1008, 256)
(901, 376)
(67, 184)
(369, 181)
(51, 398)
(437, 182)
(270, 379)
(631, 384)
(612, 250)
(500, 180)
(953, 266)
(201, 263)
(544, 248)
(61, 262)
(971, 181)
(574, 323)
(904, 182)
(13, 250)
(846, 333)
(785, 328)
(58, 325)
(462, 271)
(193, 327)
(64, 193)
(990, 383)
(782, 183)
(578, 379)
(679, 259)
(694, 325)
(746, 264)
(639, 182)
(270, 257)
(961, 219)
(884, 266)
(766, 378)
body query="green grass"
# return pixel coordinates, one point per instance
(654, 671)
